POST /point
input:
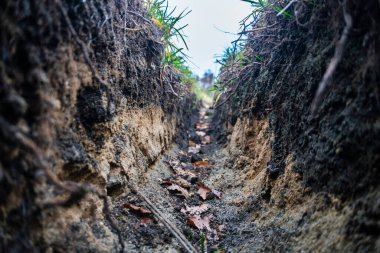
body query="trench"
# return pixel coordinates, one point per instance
(106, 145)
(196, 189)
(179, 185)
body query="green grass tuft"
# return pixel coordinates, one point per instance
(169, 23)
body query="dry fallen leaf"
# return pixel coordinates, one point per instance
(189, 175)
(198, 222)
(177, 188)
(182, 182)
(200, 133)
(144, 222)
(136, 209)
(179, 181)
(203, 190)
(202, 164)
(206, 140)
(195, 210)
(201, 126)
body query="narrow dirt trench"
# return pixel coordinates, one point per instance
(197, 190)
(186, 187)
(105, 148)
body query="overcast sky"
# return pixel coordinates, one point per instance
(207, 16)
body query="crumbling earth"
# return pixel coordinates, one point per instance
(103, 151)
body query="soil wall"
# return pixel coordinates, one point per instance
(84, 101)
(309, 180)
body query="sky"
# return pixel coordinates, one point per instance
(207, 19)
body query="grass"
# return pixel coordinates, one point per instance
(232, 55)
(168, 22)
(158, 11)
(261, 7)
(233, 59)
(202, 241)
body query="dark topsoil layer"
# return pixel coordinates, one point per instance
(337, 148)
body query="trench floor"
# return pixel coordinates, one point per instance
(197, 191)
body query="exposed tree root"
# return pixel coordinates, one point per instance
(339, 50)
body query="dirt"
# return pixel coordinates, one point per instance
(156, 237)
(303, 176)
(89, 124)
(87, 97)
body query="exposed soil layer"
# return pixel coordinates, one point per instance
(90, 122)
(310, 181)
(85, 107)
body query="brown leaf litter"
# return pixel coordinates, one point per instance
(195, 210)
(200, 223)
(180, 190)
(203, 191)
(202, 164)
(136, 209)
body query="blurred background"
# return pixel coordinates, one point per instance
(213, 25)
